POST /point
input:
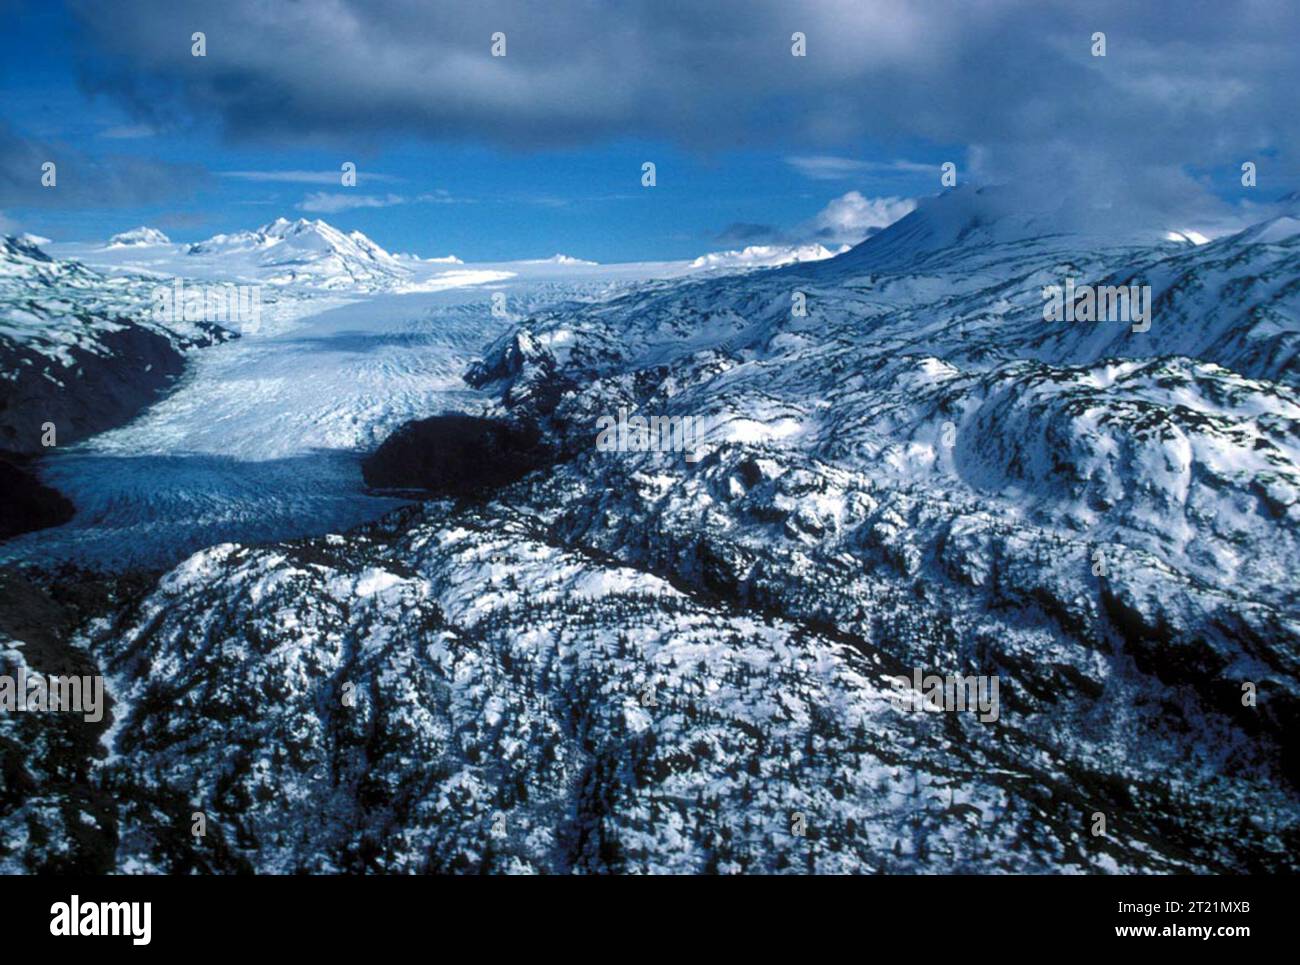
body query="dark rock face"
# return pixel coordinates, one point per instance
(74, 367)
(526, 372)
(28, 504)
(98, 390)
(94, 391)
(455, 455)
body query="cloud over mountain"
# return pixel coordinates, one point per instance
(851, 217)
(1014, 82)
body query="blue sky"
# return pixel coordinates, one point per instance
(484, 202)
(541, 151)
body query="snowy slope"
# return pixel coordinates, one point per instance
(263, 439)
(632, 661)
(926, 464)
(305, 252)
(80, 350)
(764, 256)
(138, 237)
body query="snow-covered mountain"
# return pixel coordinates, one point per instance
(79, 353)
(80, 349)
(23, 262)
(765, 256)
(305, 257)
(306, 252)
(929, 474)
(138, 237)
(632, 660)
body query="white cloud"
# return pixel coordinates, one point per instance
(764, 256)
(325, 202)
(829, 168)
(851, 217)
(708, 76)
(305, 177)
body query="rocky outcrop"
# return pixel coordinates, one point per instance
(455, 455)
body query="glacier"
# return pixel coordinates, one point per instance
(631, 661)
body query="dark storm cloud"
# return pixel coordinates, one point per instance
(83, 181)
(746, 233)
(1010, 83)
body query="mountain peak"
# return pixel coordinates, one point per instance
(970, 219)
(138, 237)
(1273, 231)
(961, 216)
(21, 248)
(308, 251)
(282, 227)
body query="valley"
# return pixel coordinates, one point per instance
(617, 659)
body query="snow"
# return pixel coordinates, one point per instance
(765, 256)
(1194, 237)
(1275, 231)
(920, 473)
(374, 581)
(263, 437)
(138, 237)
(559, 259)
